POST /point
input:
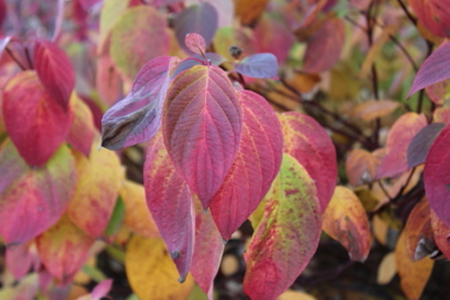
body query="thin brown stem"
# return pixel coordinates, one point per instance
(408, 14)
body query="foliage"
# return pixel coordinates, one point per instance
(277, 126)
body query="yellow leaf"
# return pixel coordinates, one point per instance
(295, 295)
(151, 272)
(387, 269)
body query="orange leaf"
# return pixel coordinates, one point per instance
(63, 248)
(370, 110)
(151, 272)
(361, 165)
(442, 114)
(137, 216)
(249, 10)
(441, 234)
(345, 220)
(413, 275)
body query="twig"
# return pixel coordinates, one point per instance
(58, 21)
(408, 14)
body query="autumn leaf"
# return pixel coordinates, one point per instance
(441, 234)
(420, 144)
(434, 14)
(370, 110)
(81, 131)
(249, 10)
(361, 165)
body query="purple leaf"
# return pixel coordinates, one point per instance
(187, 63)
(420, 144)
(434, 69)
(201, 19)
(137, 117)
(261, 65)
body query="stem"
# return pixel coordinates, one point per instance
(400, 192)
(408, 14)
(58, 21)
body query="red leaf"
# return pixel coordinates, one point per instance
(420, 144)
(434, 69)
(436, 176)
(63, 249)
(324, 47)
(34, 122)
(310, 145)
(255, 166)
(137, 117)
(54, 71)
(208, 250)
(200, 18)
(81, 132)
(287, 236)
(31, 200)
(201, 128)
(434, 15)
(398, 139)
(170, 203)
(195, 42)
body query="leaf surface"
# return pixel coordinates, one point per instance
(345, 220)
(20, 258)
(81, 131)
(201, 18)
(420, 144)
(434, 69)
(260, 65)
(413, 275)
(441, 234)
(131, 35)
(434, 15)
(63, 249)
(99, 179)
(255, 166)
(54, 71)
(201, 127)
(170, 203)
(398, 139)
(287, 236)
(361, 165)
(36, 124)
(195, 42)
(436, 176)
(249, 10)
(373, 109)
(31, 200)
(310, 145)
(151, 272)
(137, 117)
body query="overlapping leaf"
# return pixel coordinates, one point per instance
(441, 234)
(54, 71)
(63, 248)
(434, 14)
(31, 200)
(201, 128)
(361, 165)
(137, 117)
(398, 139)
(36, 124)
(99, 179)
(151, 272)
(255, 166)
(345, 220)
(261, 65)
(170, 203)
(20, 258)
(420, 144)
(436, 176)
(81, 132)
(310, 145)
(139, 35)
(287, 236)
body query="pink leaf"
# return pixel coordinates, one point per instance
(434, 69)
(201, 128)
(195, 42)
(35, 123)
(436, 176)
(81, 132)
(54, 71)
(137, 117)
(101, 289)
(170, 203)
(255, 166)
(310, 145)
(20, 258)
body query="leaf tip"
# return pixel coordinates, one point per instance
(182, 279)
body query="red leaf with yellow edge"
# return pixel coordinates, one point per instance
(398, 139)
(247, 183)
(441, 234)
(310, 145)
(208, 249)
(150, 271)
(63, 248)
(54, 71)
(413, 275)
(137, 216)
(170, 203)
(434, 15)
(35, 123)
(128, 48)
(436, 176)
(81, 132)
(201, 127)
(361, 166)
(287, 236)
(324, 47)
(418, 234)
(99, 179)
(31, 200)
(345, 220)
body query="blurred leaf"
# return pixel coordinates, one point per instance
(81, 132)
(373, 109)
(260, 65)
(417, 233)
(420, 144)
(295, 295)
(249, 10)
(361, 165)
(441, 234)
(115, 221)
(386, 270)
